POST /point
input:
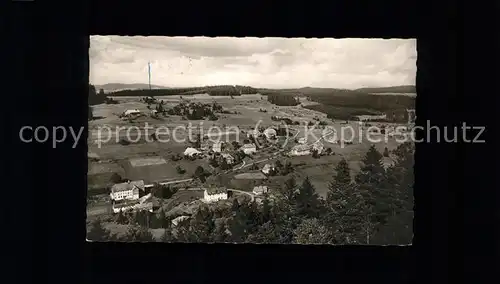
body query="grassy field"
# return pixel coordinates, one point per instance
(248, 116)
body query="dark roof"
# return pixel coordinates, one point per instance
(139, 184)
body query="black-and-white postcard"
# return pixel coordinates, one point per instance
(251, 140)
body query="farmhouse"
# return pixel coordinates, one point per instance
(267, 169)
(302, 140)
(190, 151)
(258, 190)
(249, 149)
(270, 133)
(217, 147)
(300, 150)
(131, 112)
(229, 159)
(144, 203)
(127, 190)
(214, 194)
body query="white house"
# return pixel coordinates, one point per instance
(217, 147)
(302, 140)
(214, 194)
(131, 112)
(179, 219)
(146, 206)
(260, 190)
(270, 133)
(249, 149)
(300, 150)
(318, 146)
(190, 151)
(127, 190)
(267, 169)
(229, 159)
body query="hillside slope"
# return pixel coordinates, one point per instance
(394, 89)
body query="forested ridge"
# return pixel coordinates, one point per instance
(223, 90)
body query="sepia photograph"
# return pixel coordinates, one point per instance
(251, 140)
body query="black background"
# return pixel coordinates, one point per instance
(455, 185)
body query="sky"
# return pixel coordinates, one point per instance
(256, 62)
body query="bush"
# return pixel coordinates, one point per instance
(180, 170)
(116, 178)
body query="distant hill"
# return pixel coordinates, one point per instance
(395, 89)
(113, 87)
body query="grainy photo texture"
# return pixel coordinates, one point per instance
(251, 140)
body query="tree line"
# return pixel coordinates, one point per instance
(223, 90)
(373, 207)
(358, 103)
(282, 100)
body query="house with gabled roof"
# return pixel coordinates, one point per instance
(214, 194)
(127, 190)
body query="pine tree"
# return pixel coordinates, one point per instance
(372, 166)
(307, 200)
(386, 152)
(347, 206)
(402, 177)
(163, 222)
(121, 218)
(343, 173)
(289, 190)
(235, 206)
(374, 184)
(266, 211)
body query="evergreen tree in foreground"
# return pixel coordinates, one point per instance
(307, 200)
(379, 195)
(372, 169)
(121, 218)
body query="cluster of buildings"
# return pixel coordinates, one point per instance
(305, 149)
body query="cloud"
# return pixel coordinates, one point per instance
(258, 62)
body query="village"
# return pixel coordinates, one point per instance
(248, 165)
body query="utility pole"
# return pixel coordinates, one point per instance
(149, 75)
